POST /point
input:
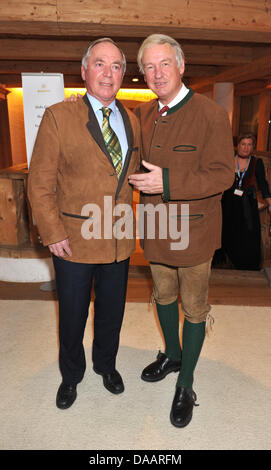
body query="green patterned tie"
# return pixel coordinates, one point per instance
(111, 141)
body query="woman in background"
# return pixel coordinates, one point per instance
(241, 232)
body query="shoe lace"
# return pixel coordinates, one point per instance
(194, 396)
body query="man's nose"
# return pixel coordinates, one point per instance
(107, 70)
(157, 72)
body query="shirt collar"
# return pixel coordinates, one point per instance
(179, 97)
(97, 105)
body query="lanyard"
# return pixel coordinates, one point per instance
(243, 172)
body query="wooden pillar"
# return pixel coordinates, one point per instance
(236, 116)
(223, 94)
(5, 147)
(262, 140)
(264, 117)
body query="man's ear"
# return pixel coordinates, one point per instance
(182, 68)
(83, 73)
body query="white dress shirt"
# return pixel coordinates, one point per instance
(115, 120)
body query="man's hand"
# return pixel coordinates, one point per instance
(73, 98)
(61, 249)
(151, 182)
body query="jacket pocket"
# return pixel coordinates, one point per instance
(76, 216)
(184, 148)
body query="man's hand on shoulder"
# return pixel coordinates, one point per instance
(73, 98)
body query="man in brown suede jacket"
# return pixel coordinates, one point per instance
(76, 191)
(189, 162)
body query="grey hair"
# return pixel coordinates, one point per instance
(160, 39)
(87, 54)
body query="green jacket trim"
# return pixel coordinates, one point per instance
(181, 103)
(166, 194)
(185, 148)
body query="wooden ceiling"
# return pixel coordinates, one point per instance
(223, 40)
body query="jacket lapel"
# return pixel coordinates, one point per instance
(95, 130)
(96, 134)
(149, 124)
(130, 141)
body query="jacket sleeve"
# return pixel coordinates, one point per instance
(215, 171)
(42, 181)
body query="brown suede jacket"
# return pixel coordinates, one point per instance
(193, 144)
(71, 173)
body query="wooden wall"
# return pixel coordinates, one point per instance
(72, 17)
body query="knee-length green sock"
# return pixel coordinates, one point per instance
(193, 338)
(169, 320)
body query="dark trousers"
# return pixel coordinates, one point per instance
(74, 284)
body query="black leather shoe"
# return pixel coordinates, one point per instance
(158, 369)
(182, 407)
(112, 382)
(66, 395)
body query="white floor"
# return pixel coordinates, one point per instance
(232, 382)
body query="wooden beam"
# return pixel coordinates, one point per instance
(37, 28)
(31, 66)
(69, 68)
(42, 49)
(28, 10)
(237, 20)
(15, 81)
(60, 49)
(255, 70)
(217, 53)
(73, 68)
(252, 87)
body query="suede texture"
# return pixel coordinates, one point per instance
(193, 144)
(70, 169)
